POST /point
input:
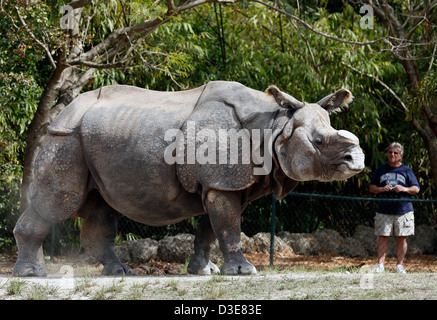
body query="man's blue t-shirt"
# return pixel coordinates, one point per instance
(402, 175)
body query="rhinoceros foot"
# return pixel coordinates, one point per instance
(28, 270)
(117, 269)
(210, 268)
(235, 268)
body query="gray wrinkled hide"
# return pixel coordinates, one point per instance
(104, 156)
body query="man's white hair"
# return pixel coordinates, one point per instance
(397, 145)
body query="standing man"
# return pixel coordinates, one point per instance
(394, 180)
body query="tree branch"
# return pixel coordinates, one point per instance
(311, 28)
(95, 65)
(432, 59)
(399, 100)
(125, 36)
(41, 44)
(79, 3)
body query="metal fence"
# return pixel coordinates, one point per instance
(302, 230)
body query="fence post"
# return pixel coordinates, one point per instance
(272, 230)
(52, 244)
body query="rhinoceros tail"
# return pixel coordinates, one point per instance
(69, 119)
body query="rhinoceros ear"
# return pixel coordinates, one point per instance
(284, 100)
(338, 99)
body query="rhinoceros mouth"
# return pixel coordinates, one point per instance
(353, 161)
(348, 163)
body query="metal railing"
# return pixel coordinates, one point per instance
(305, 215)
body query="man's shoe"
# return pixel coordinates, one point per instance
(379, 268)
(400, 269)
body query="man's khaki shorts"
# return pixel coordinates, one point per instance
(401, 224)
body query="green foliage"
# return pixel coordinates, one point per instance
(423, 95)
(20, 68)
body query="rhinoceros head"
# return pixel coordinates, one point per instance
(308, 148)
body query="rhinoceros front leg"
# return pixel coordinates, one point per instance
(29, 232)
(98, 232)
(224, 210)
(200, 263)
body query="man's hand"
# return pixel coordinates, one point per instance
(375, 189)
(410, 190)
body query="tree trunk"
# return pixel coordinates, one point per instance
(37, 129)
(65, 83)
(429, 138)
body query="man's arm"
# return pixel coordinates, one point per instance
(413, 190)
(375, 189)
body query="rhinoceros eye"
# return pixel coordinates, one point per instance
(318, 141)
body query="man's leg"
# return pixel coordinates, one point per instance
(383, 229)
(401, 249)
(382, 249)
(404, 227)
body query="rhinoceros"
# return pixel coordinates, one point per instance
(151, 156)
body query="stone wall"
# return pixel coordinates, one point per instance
(362, 243)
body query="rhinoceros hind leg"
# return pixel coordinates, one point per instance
(117, 269)
(200, 263)
(29, 232)
(98, 232)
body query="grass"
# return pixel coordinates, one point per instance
(136, 291)
(83, 285)
(41, 292)
(269, 283)
(15, 286)
(110, 292)
(18, 288)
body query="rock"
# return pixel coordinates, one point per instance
(137, 251)
(328, 239)
(424, 240)
(301, 243)
(143, 250)
(176, 248)
(366, 236)
(331, 240)
(247, 244)
(122, 251)
(282, 246)
(216, 253)
(261, 243)
(172, 269)
(353, 248)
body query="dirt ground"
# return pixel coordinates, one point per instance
(322, 277)
(328, 261)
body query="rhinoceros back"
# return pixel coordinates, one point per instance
(70, 117)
